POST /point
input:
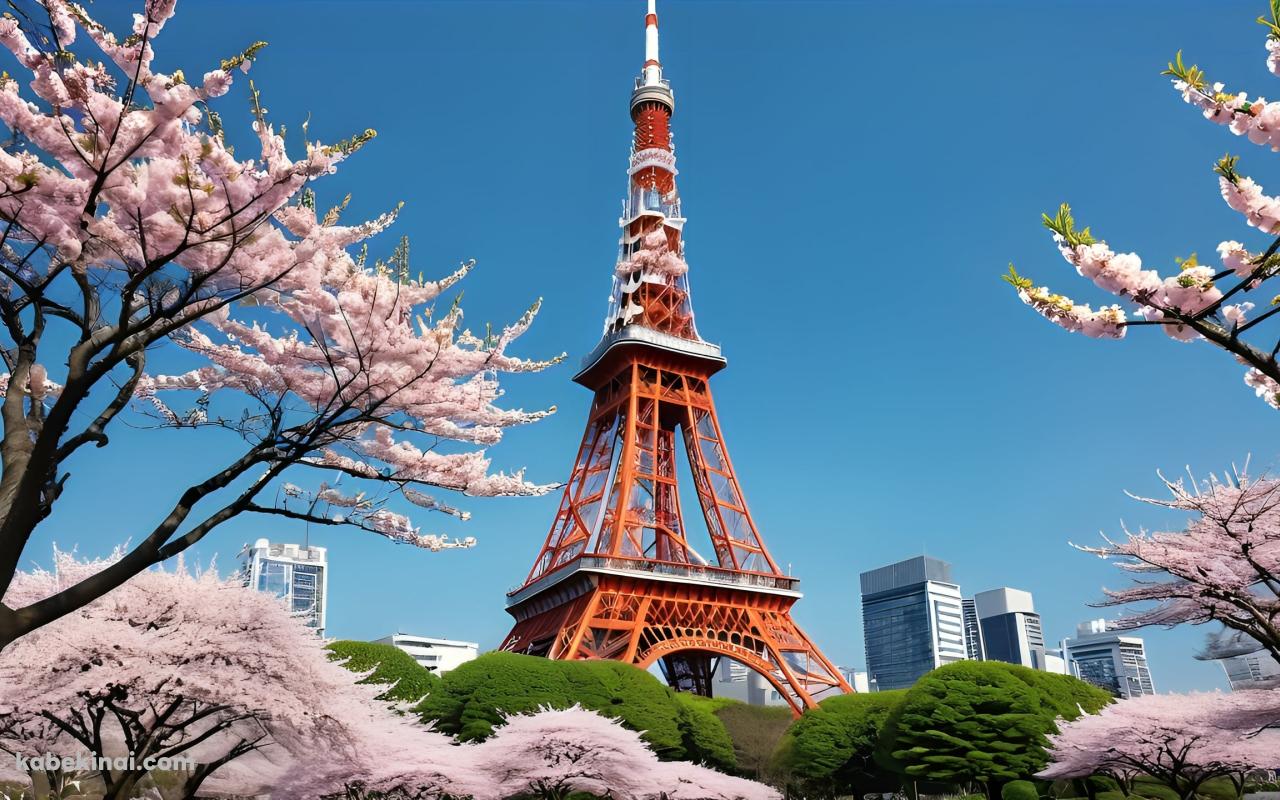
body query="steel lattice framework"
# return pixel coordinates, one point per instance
(619, 575)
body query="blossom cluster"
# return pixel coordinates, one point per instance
(249, 692)
(1188, 305)
(121, 175)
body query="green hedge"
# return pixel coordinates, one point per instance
(390, 665)
(473, 698)
(703, 731)
(983, 721)
(830, 750)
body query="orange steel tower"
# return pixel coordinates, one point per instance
(619, 576)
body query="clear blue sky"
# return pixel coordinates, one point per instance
(856, 176)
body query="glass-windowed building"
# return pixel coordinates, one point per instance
(298, 573)
(1010, 627)
(1107, 659)
(912, 621)
(1252, 671)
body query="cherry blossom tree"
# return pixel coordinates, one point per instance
(1224, 566)
(1180, 740)
(554, 753)
(178, 665)
(127, 222)
(1199, 302)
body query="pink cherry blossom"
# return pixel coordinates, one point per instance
(182, 663)
(1180, 740)
(554, 752)
(1222, 567)
(1190, 304)
(130, 222)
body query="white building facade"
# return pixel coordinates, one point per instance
(739, 682)
(436, 655)
(297, 573)
(1109, 660)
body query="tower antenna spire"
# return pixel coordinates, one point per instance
(652, 65)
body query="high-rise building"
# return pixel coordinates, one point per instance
(912, 620)
(1107, 659)
(437, 655)
(1252, 671)
(1010, 627)
(298, 573)
(972, 631)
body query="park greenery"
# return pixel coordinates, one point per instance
(980, 729)
(474, 698)
(406, 679)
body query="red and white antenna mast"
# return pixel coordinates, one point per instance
(651, 290)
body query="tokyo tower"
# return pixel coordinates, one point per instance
(621, 574)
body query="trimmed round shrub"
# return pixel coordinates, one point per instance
(474, 698)
(1019, 790)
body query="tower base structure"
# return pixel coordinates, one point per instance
(682, 617)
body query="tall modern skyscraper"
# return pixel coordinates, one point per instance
(912, 620)
(973, 645)
(298, 573)
(1010, 627)
(1107, 659)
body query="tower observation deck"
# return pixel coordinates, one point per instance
(620, 574)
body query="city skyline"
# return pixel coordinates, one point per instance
(1015, 504)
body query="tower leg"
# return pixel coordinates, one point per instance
(690, 671)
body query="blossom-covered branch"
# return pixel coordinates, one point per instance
(1224, 566)
(128, 220)
(1196, 302)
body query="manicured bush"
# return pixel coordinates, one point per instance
(473, 698)
(1102, 783)
(830, 750)
(390, 665)
(983, 721)
(755, 731)
(706, 738)
(1019, 790)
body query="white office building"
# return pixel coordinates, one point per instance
(437, 655)
(1010, 627)
(856, 678)
(1055, 663)
(1107, 659)
(297, 573)
(1252, 671)
(912, 621)
(739, 682)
